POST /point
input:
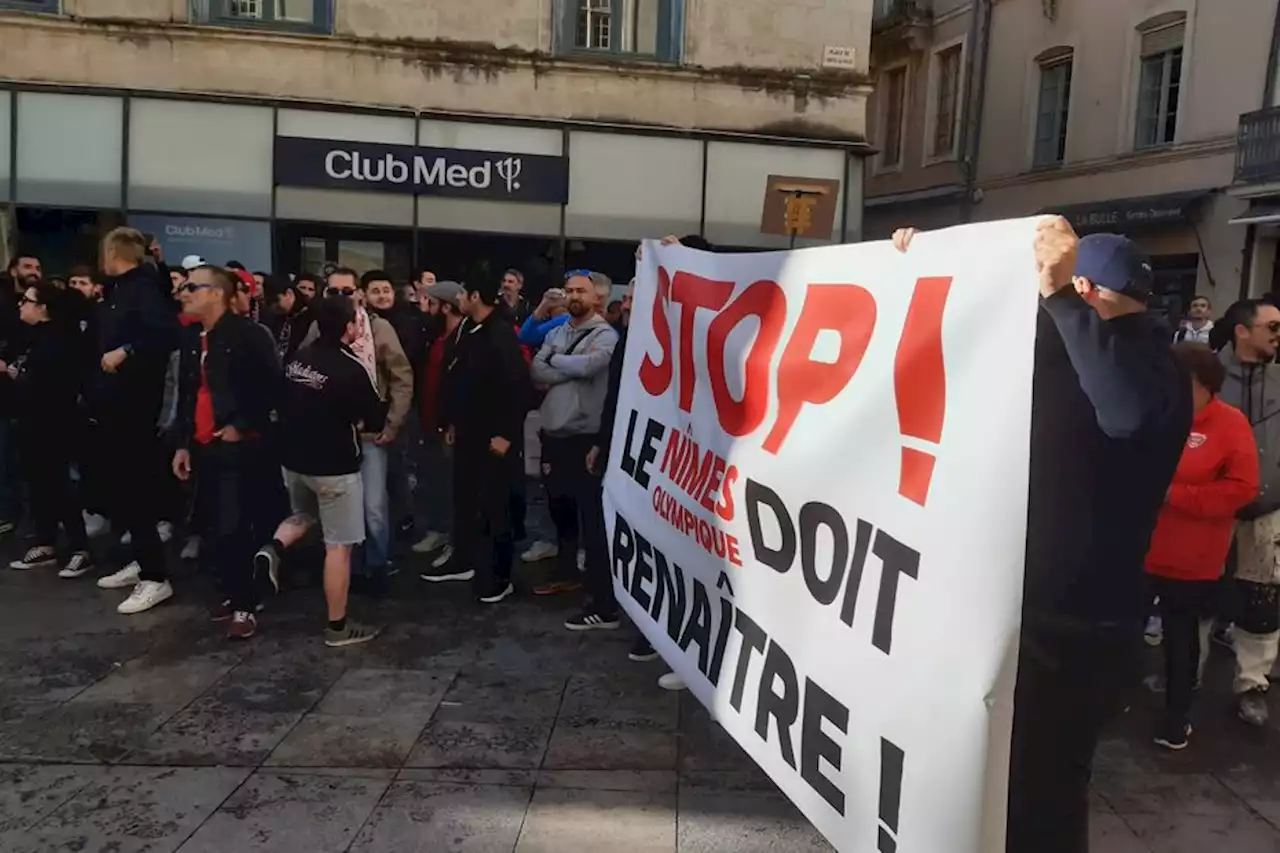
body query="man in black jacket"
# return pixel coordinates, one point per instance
(327, 401)
(228, 381)
(486, 394)
(1110, 414)
(136, 335)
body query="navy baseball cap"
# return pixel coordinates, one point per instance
(1113, 261)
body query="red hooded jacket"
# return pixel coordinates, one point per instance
(1217, 475)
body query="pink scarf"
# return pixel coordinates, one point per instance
(363, 345)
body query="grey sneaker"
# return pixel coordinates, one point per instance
(1253, 707)
(352, 635)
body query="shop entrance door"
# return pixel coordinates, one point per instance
(307, 247)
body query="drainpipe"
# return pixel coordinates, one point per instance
(976, 95)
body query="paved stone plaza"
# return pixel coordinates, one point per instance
(458, 730)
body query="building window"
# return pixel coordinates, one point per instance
(1159, 80)
(1053, 108)
(651, 29)
(29, 6)
(946, 101)
(894, 87)
(314, 16)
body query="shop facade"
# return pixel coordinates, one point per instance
(289, 187)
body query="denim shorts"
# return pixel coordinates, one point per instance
(337, 501)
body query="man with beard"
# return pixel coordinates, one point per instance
(486, 396)
(308, 285)
(573, 363)
(443, 315)
(1252, 327)
(512, 300)
(139, 330)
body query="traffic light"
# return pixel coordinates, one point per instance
(798, 218)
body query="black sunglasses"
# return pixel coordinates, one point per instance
(192, 287)
(339, 291)
(27, 300)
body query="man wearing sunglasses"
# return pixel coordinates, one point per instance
(1253, 386)
(228, 381)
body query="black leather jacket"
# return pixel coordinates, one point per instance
(242, 371)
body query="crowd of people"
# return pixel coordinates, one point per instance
(160, 399)
(258, 416)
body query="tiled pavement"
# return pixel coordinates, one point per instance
(457, 730)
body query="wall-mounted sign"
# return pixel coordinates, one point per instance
(1128, 214)
(215, 240)
(379, 167)
(839, 56)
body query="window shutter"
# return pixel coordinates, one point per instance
(670, 29)
(1159, 41)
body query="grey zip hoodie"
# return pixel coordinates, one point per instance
(573, 363)
(1255, 390)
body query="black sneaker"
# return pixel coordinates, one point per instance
(406, 528)
(591, 621)
(448, 572)
(642, 652)
(498, 593)
(1175, 738)
(267, 563)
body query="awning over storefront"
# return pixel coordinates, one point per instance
(1262, 214)
(1131, 214)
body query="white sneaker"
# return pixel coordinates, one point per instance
(540, 550)
(80, 564)
(123, 579)
(146, 595)
(443, 560)
(191, 550)
(165, 531)
(95, 525)
(433, 540)
(582, 560)
(671, 681)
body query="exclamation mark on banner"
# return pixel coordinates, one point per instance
(920, 384)
(891, 761)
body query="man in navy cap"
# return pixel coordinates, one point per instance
(1110, 413)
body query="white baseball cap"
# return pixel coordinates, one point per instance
(191, 262)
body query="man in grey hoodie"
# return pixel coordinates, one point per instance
(1253, 386)
(573, 365)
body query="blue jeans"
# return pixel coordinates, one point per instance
(377, 509)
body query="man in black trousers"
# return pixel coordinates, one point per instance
(228, 382)
(487, 392)
(138, 331)
(1110, 414)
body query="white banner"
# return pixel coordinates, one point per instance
(816, 501)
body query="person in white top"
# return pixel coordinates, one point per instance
(1197, 325)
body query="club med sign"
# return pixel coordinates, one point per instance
(376, 167)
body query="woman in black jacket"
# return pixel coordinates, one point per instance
(45, 381)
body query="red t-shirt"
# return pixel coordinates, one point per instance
(428, 398)
(205, 426)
